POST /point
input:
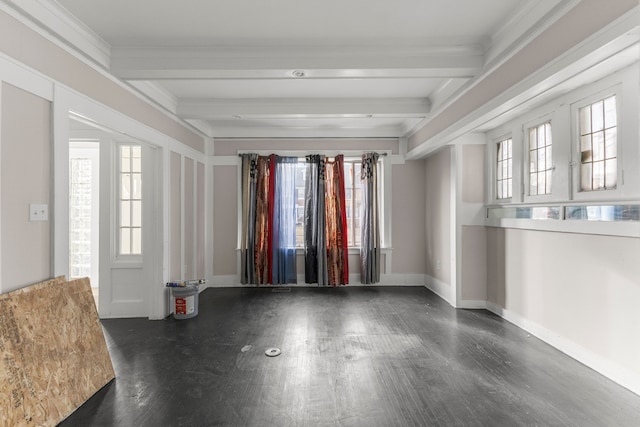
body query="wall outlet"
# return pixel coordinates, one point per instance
(438, 264)
(38, 212)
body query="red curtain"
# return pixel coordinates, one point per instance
(262, 233)
(336, 223)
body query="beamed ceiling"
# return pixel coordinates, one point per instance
(285, 68)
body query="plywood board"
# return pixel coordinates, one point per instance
(53, 355)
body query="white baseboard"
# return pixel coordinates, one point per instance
(231, 281)
(438, 287)
(472, 304)
(609, 369)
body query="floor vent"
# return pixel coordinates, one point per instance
(281, 289)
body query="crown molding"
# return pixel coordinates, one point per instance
(55, 23)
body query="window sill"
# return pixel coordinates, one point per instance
(506, 217)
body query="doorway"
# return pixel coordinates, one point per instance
(84, 212)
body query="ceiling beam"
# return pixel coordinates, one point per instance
(281, 62)
(298, 107)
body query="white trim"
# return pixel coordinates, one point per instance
(399, 279)
(472, 304)
(438, 287)
(609, 369)
(25, 78)
(605, 228)
(554, 78)
(57, 25)
(83, 55)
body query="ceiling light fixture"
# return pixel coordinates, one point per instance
(298, 73)
(236, 116)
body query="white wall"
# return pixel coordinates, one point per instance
(573, 283)
(577, 291)
(25, 177)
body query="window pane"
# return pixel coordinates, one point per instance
(611, 143)
(541, 161)
(610, 116)
(585, 120)
(125, 186)
(549, 157)
(125, 214)
(533, 184)
(125, 241)
(136, 213)
(597, 116)
(548, 182)
(586, 177)
(598, 175)
(547, 130)
(509, 188)
(598, 146)
(611, 177)
(541, 183)
(136, 241)
(533, 142)
(585, 145)
(136, 181)
(136, 164)
(136, 151)
(533, 164)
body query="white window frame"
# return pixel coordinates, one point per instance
(557, 154)
(493, 158)
(117, 199)
(604, 194)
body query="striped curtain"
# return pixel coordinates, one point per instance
(248, 238)
(336, 223)
(262, 227)
(315, 248)
(370, 237)
(282, 185)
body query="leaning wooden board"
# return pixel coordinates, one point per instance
(53, 355)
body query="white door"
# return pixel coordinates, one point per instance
(130, 242)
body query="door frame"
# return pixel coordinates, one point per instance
(68, 103)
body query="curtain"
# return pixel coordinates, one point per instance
(370, 237)
(315, 249)
(336, 223)
(282, 181)
(247, 241)
(262, 224)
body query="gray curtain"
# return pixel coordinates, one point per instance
(370, 237)
(248, 239)
(315, 249)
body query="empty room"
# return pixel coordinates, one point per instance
(336, 213)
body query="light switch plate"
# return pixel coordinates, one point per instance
(38, 212)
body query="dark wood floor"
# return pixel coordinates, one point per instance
(351, 356)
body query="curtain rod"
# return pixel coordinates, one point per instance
(379, 154)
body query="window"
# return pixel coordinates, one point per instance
(598, 145)
(353, 200)
(504, 169)
(540, 160)
(80, 217)
(130, 200)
